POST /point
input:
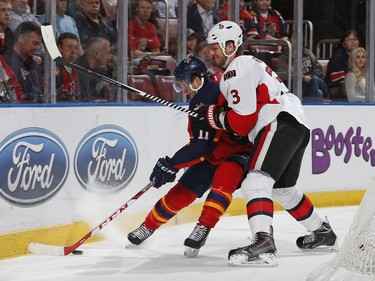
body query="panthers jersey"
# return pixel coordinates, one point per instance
(202, 143)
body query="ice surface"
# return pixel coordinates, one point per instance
(161, 256)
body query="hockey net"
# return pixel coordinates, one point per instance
(356, 259)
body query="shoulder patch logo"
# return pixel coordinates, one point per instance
(229, 74)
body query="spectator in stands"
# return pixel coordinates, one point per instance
(191, 3)
(6, 35)
(27, 40)
(161, 7)
(192, 41)
(172, 47)
(355, 78)
(338, 65)
(154, 13)
(142, 33)
(67, 87)
(202, 50)
(20, 13)
(74, 7)
(64, 23)
(314, 88)
(38, 6)
(91, 23)
(247, 22)
(10, 89)
(110, 10)
(269, 22)
(201, 16)
(96, 57)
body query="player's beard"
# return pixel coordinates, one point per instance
(220, 61)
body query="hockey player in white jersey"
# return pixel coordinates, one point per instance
(259, 105)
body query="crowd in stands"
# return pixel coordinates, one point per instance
(86, 34)
(355, 78)
(142, 33)
(67, 86)
(338, 65)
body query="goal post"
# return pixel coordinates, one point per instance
(356, 259)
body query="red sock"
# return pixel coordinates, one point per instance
(303, 210)
(220, 196)
(170, 204)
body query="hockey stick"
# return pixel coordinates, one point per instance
(50, 43)
(45, 249)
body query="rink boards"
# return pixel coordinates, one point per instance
(62, 165)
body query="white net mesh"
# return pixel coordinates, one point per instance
(356, 259)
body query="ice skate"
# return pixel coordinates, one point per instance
(196, 240)
(140, 234)
(322, 239)
(260, 253)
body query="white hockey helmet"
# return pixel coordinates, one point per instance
(225, 31)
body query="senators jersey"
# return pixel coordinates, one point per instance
(214, 145)
(215, 74)
(255, 96)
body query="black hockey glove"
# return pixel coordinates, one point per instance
(163, 172)
(208, 117)
(239, 139)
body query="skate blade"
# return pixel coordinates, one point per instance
(264, 260)
(323, 249)
(191, 252)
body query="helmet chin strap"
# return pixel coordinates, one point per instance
(197, 89)
(227, 61)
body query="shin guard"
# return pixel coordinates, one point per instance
(220, 196)
(299, 206)
(169, 205)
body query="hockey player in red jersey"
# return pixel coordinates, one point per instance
(261, 107)
(206, 161)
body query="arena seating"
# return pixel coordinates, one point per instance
(164, 86)
(172, 30)
(325, 48)
(143, 83)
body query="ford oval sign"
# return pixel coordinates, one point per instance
(34, 165)
(106, 159)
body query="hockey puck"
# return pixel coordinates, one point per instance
(77, 252)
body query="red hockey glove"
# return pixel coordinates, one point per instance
(208, 117)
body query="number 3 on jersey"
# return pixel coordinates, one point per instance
(235, 95)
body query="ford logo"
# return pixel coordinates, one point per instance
(34, 165)
(106, 159)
